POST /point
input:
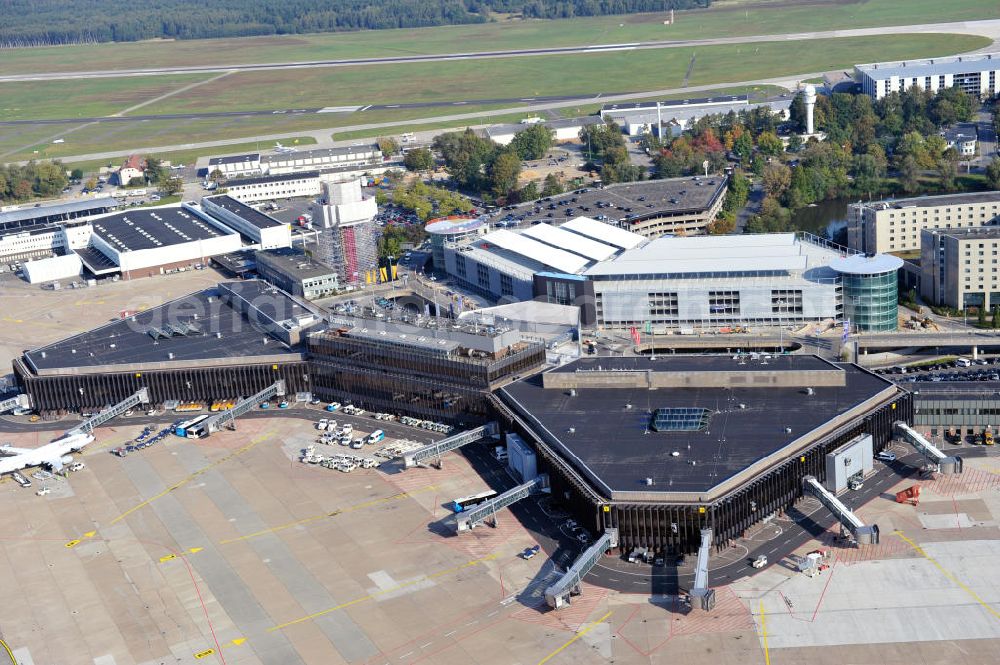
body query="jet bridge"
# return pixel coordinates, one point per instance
(568, 585)
(16, 402)
(863, 534)
(228, 417)
(141, 396)
(931, 453)
(700, 591)
(476, 515)
(435, 450)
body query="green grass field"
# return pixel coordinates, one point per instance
(722, 20)
(616, 72)
(86, 98)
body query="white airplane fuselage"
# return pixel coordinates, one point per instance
(51, 454)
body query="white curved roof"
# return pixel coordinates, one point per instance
(859, 264)
(553, 257)
(602, 232)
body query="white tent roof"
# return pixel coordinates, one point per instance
(573, 242)
(558, 259)
(605, 233)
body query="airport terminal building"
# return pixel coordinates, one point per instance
(659, 449)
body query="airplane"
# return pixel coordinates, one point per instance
(53, 455)
(282, 149)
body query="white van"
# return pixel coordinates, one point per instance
(963, 362)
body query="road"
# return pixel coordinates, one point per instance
(985, 28)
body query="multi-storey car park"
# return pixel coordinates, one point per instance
(650, 209)
(660, 449)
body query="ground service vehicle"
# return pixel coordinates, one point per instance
(376, 436)
(759, 562)
(988, 437)
(460, 504)
(183, 428)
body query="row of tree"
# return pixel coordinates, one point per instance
(51, 22)
(34, 179)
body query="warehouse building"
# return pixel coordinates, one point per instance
(260, 229)
(294, 272)
(976, 74)
(660, 449)
(894, 225)
(43, 240)
(221, 343)
(958, 267)
(651, 208)
(146, 241)
(564, 129)
(46, 214)
(270, 187)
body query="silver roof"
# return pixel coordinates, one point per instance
(962, 64)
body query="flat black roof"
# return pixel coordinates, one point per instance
(214, 331)
(268, 179)
(670, 196)
(249, 215)
(149, 228)
(615, 446)
(235, 159)
(293, 263)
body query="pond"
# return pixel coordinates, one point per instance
(826, 219)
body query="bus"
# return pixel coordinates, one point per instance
(376, 436)
(458, 505)
(185, 428)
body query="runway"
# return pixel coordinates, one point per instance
(987, 28)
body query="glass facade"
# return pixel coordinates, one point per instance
(870, 301)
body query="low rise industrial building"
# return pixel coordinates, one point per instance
(677, 115)
(15, 217)
(294, 272)
(270, 187)
(978, 74)
(564, 129)
(894, 225)
(321, 159)
(236, 166)
(260, 229)
(959, 267)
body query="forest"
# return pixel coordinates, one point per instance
(53, 22)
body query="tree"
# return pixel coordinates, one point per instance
(776, 179)
(528, 193)
(723, 224)
(533, 142)
(797, 113)
(503, 173)
(466, 154)
(770, 144)
(155, 170)
(981, 315)
(909, 173)
(794, 143)
(216, 176)
(995, 323)
(418, 159)
(91, 184)
(171, 185)
(551, 186)
(388, 145)
(947, 169)
(993, 173)
(743, 147)
(597, 139)
(76, 175)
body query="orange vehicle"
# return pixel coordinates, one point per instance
(910, 495)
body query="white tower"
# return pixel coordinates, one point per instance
(810, 99)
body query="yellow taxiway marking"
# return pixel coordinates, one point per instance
(238, 641)
(90, 534)
(10, 653)
(187, 479)
(167, 558)
(73, 543)
(195, 550)
(382, 592)
(204, 654)
(763, 633)
(315, 518)
(580, 634)
(946, 573)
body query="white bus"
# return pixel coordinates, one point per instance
(458, 505)
(185, 429)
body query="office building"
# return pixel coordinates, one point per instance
(963, 137)
(258, 228)
(271, 187)
(236, 166)
(894, 225)
(348, 235)
(959, 268)
(294, 272)
(455, 229)
(321, 159)
(976, 74)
